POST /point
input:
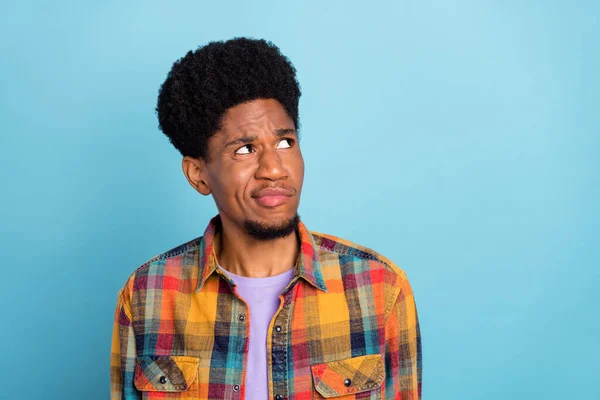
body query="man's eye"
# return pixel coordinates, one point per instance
(290, 142)
(241, 149)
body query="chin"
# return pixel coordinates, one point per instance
(276, 228)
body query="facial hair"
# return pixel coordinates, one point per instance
(263, 231)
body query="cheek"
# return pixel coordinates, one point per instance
(240, 180)
(300, 169)
(232, 185)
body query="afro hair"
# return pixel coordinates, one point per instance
(205, 83)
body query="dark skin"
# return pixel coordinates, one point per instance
(269, 156)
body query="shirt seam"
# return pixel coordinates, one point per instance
(123, 303)
(389, 316)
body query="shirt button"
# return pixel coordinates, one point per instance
(162, 379)
(347, 382)
(278, 397)
(241, 317)
(236, 388)
(278, 328)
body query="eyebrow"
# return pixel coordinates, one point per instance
(251, 138)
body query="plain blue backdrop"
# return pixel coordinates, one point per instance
(458, 138)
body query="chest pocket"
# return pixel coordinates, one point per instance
(167, 377)
(348, 377)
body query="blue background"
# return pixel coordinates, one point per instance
(458, 138)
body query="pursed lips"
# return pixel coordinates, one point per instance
(272, 197)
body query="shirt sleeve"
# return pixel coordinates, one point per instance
(123, 353)
(403, 348)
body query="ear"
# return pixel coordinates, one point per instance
(194, 170)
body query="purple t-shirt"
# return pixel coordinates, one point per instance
(262, 297)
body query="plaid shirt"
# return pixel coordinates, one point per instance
(346, 327)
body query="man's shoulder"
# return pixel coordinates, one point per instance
(191, 246)
(327, 243)
(182, 257)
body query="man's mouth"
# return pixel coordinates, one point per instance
(273, 197)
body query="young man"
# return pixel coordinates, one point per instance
(259, 307)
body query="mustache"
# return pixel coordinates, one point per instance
(255, 192)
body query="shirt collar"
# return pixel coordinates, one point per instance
(308, 265)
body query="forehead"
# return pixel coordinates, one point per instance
(256, 115)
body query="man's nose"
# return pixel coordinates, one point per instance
(270, 166)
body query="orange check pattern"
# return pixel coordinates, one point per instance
(346, 328)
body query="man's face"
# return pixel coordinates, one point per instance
(255, 169)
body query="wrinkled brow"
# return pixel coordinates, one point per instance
(247, 139)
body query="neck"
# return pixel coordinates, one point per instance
(244, 255)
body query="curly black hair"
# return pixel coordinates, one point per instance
(205, 83)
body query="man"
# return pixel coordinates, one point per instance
(259, 307)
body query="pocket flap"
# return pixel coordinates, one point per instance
(352, 375)
(165, 373)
